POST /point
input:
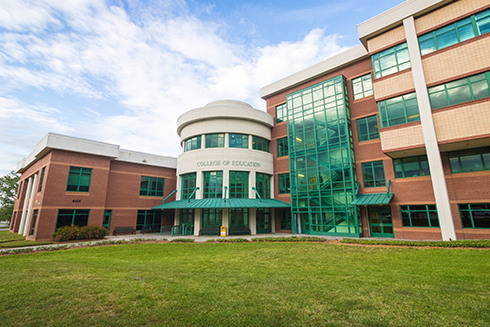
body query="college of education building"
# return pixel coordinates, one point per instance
(388, 139)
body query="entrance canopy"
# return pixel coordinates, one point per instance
(372, 199)
(223, 203)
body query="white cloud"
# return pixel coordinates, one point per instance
(155, 66)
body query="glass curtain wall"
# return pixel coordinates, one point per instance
(321, 160)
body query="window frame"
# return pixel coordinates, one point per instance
(156, 186)
(82, 171)
(483, 153)
(212, 191)
(427, 211)
(282, 147)
(186, 191)
(395, 51)
(385, 112)
(238, 176)
(372, 165)
(260, 143)
(193, 143)
(284, 183)
(263, 185)
(41, 180)
(366, 88)
(236, 141)
(155, 214)
(214, 140)
(399, 162)
(471, 212)
(367, 121)
(281, 113)
(74, 213)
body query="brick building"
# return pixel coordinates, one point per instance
(388, 139)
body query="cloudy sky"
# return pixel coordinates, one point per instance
(123, 71)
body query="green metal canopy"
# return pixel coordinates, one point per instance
(223, 203)
(372, 199)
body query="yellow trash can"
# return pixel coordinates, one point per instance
(223, 231)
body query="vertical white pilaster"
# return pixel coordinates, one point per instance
(177, 217)
(251, 192)
(31, 202)
(273, 220)
(197, 221)
(24, 208)
(253, 221)
(225, 220)
(227, 140)
(199, 184)
(433, 155)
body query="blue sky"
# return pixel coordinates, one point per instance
(122, 72)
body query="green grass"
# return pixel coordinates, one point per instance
(14, 240)
(444, 244)
(246, 284)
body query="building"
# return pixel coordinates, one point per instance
(391, 138)
(388, 139)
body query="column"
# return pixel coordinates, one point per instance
(273, 220)
(197, 221)
(253, 221)
(433, 155)
(24, 209)
(31, 202)
(199, 192)
(225, 220)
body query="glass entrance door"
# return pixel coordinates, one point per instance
(187, 221)
(380, 222)
(106, 222)
(263, 221)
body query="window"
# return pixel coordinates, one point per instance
(41, 180)
(213, 185)
(149, 219)
(239, 184)
(400, 110)
(215, 140)
(285, 219)
(367, 128)
(284, 186)
(263, 185)
(212, 218)
(79, 179)
(459, 91)
(419, 216)
(193, 143)
(281, 113)
(373, 174)
(67, 217)
(19, 190)
(411, 167)
(152, 186)
(33, 224)
(239, 141)
(238, 217)
(475, 215)
(187, 216)
(362, 86)
(466, 161)
(188, 186)
(12, 221)
(259, 143)
(282, 147)
(459, 31)
(391, 60)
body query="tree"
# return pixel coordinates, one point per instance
(8, 191)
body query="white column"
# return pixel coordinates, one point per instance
(24, 209)
(227, 140)
(197, 221)
(273, 220)
(177, 217)
(272, 186)
(253, 221)
(433, 155)
(31, 202)
(199, 184)
(252, 194)
(225, 220)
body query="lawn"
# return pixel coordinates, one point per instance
(14, 240)
(246, 284)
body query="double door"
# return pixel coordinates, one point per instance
(380, 222)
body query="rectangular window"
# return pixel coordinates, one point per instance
(212, 218)
(399, 110)
(419, 216)
(475, 215)
(459, 91)
(391, 60)
(367, 128)
(285, 219)
(263, 185)
(215, 140)
(149, 219)
(411, 167)
(213, 185)
(239, 141)
(457, 32)
(79, 179)
(362, 86)
(33, 224)
(67, 217)
(188, 186)
(12, 221)
(152, 186)
(281, 113)
(259, 143)
(193, 143)
(282, 147)
(41, 180)
(373, 174)
(239, 184)
(238, 217)
(284, 186)
(466, 161)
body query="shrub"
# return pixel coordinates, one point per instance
(67, 233)
(182, 240)
(231, 240)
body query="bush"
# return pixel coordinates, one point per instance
(67, 233)
(182, 240)
(446, 244)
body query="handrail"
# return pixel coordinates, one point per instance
(168, 196)
(357, 190)
(388, 187)
(256, 192)
(224, 197)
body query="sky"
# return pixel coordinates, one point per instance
(123, 71)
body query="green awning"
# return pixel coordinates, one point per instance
(372, 199)
(223, 203)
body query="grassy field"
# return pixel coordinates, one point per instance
(14, 240)
(246, 284)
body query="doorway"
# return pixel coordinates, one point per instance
(380, 222)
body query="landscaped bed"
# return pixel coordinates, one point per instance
(246, 284)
